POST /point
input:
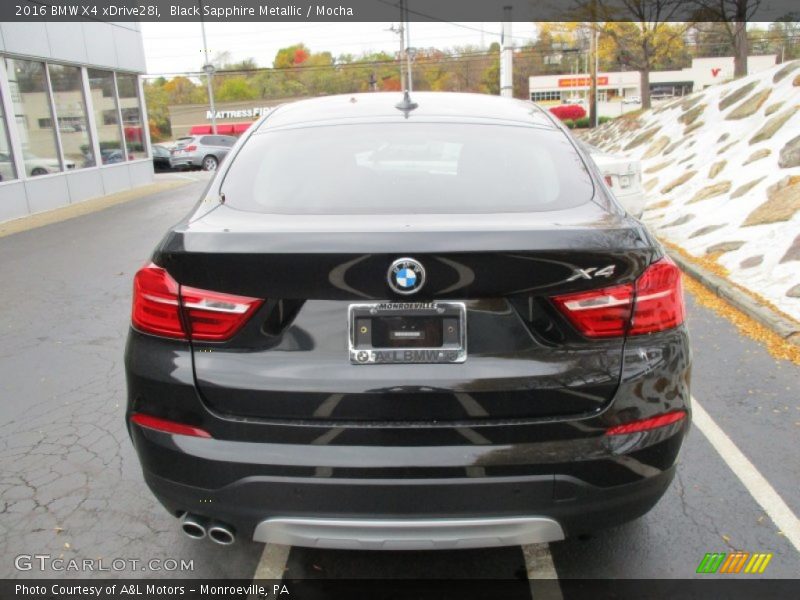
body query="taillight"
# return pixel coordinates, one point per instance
(653, 303)
(599, 313)
(659, 298)
(609, 181)
(214, 316)
(647, 424)
(156, 307)
(191, 148)
(162, 307)
(167, 426)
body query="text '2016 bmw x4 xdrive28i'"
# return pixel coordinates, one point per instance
(397, 326)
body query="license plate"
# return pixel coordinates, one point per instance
(624, 181)
(407, 332)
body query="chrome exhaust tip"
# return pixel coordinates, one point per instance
(221, 534)
(193, 526)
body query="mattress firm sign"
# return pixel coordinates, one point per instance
(240, 113)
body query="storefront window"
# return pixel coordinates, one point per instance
(70, 105)
(101, 85)
(7, 169)
(128, 88)
(33, 116)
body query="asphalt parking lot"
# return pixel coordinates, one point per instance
(71, 486)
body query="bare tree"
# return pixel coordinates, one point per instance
(734, 15)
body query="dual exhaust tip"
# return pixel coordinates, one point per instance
(197, 527)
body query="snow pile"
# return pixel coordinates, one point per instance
(721, 170)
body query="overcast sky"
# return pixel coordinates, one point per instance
(178, 47)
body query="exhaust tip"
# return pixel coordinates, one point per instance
(221, 534)
(193, 526)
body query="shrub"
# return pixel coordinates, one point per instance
(582, 122)
(602, 120)
(568, 111)
(569, 123)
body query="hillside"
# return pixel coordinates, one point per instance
(721, 169)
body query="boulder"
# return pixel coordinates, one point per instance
(690, 101)
(724, 247)
(723, 137)
(690, 116)
(716, 168)
(796, 81)
(737, 95)
(680, 221)
(658, 167)
(757, 155)
(692, 127)
(785, 70)
(793, 253)
(790, 154)
(684, 177)
(772, 108)
(726, 147)
(642, 137)
(687, 158)
(753, 261)
(783, 201)
(706, 230)
(774, 124)
(749, 106)
(794, 291)
(717, 189)
(659, 204)
(650, 184)
(744, 188)
(656, 147)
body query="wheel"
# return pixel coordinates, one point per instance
(210, 163)
(38, 171)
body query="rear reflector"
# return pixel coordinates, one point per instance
(647, 424)
(162, 307)
(168, 426)
(653, 303)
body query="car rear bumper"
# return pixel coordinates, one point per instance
(184, 162)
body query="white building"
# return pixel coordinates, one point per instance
(72, 118)
(619, 84)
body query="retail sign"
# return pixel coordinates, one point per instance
(715, 71)
(581, 81)
(240, 113)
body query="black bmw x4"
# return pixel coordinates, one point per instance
(407, 325)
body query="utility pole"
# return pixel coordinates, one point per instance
(506, 57)
(407, 26)
(209, 70)
(593, 76)
(400, 31)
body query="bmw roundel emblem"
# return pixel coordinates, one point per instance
(406, 276)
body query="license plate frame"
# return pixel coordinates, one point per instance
(454, 344)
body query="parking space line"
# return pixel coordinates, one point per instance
(273, 562)
(541, 572)
(760, 489)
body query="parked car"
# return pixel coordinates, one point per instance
(573, 100)
(623, 176)
(161, 158)
(414, 325)
(200, 151)
(632, 100)
(34, 165)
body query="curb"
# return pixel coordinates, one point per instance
(85, 207)
(785, 328)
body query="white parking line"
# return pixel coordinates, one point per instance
(541, 572)
(759, 488)
(273, 562)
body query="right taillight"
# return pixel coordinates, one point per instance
(653, 303)
(162, 307)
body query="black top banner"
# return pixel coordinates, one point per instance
(389, 10)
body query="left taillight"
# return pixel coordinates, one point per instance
(162, 307)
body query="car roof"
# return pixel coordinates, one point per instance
(381, 106)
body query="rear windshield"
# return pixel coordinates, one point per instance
(396, 168)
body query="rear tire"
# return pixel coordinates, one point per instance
(38, 171)
(210, 163)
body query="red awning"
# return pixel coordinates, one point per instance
(222, 129)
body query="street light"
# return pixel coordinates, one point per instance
(209, 70)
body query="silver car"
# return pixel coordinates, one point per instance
(200, 151)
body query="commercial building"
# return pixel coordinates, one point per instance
(615, 86)
(233, 118)
(72, 117)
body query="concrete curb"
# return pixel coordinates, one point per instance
(86, 207)
(786, 328)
